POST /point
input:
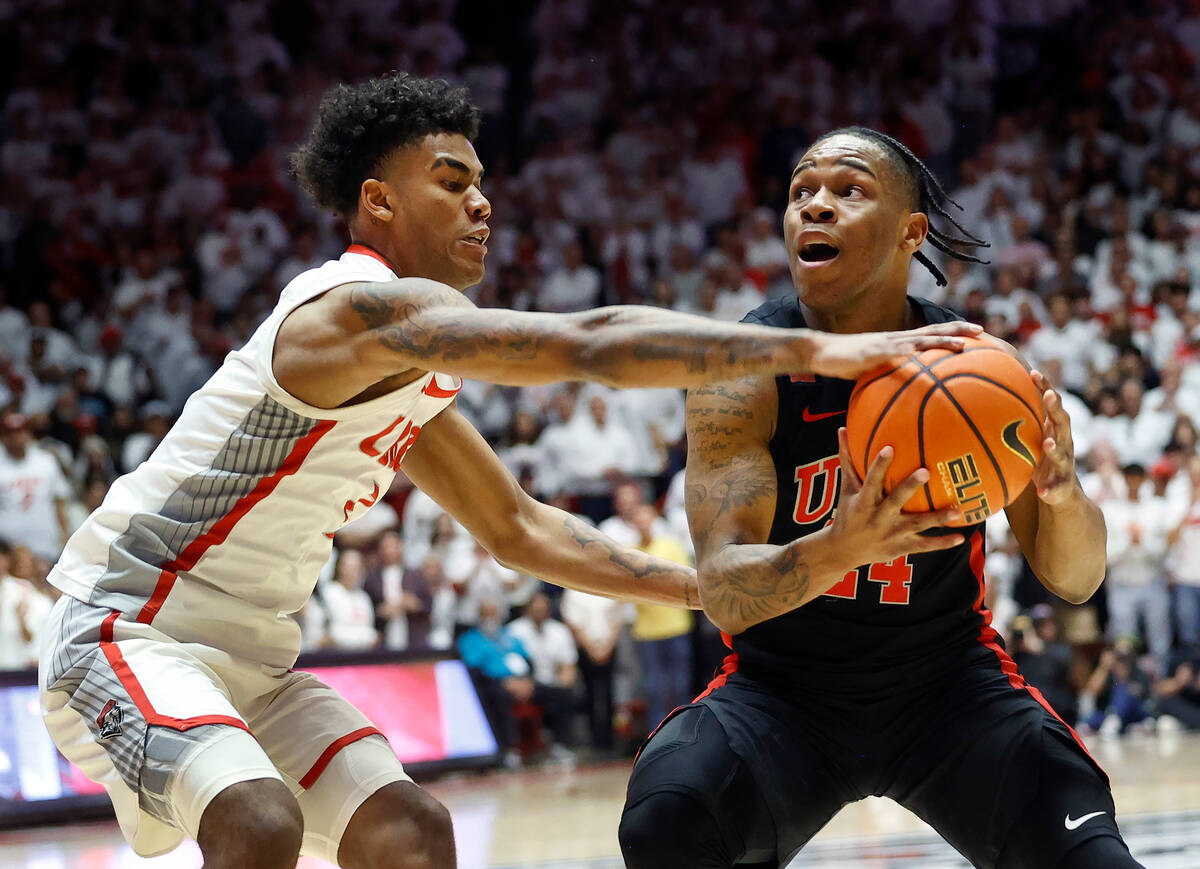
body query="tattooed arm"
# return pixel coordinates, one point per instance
(333, 348)
(731, 491)
(453, 464)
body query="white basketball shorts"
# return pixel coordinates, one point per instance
(165, 726)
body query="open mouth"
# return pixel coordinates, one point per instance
(478, 238)
(817, 252)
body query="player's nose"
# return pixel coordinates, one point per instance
(478, 206)
(819, 209)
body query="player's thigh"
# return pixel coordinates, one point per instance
(1071, 805)
(973, 776)
(692, 801)
(146, 719)
(330, 755)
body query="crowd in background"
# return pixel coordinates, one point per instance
(635, 153)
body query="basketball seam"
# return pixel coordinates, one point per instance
(974, 428)
(883, 413)
(997, 384)
(921, 446)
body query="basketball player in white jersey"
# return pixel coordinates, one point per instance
(166, 675)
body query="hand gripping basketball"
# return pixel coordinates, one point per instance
(848, 356)
(870, 526)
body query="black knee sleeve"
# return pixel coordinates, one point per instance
(1107, 851)
(667, 828)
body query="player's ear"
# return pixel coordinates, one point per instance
(373, 198)
(916, 227)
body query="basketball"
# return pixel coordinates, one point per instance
(973, 418)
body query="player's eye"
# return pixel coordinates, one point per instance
(453, 186)
(854, 191)
(801, 193)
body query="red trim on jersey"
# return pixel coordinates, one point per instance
(310, 777)
(728, 667)
(988, 636)
(366, 251)
(138, 695)
(435, 391)
(219, 532)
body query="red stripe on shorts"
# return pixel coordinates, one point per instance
(988, 635)
(310, 777)
(219, 532)
(138, 695)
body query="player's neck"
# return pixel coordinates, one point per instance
(867, 312)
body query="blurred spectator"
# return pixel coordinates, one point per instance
(596, 623)
(662, 634)
(547, 642)
(1044, 660)
(156, 422)
(1136, 582)
(477, 576)
(348, 608)
(23, 609)
(1178, 695)
(1117, 694)
(1183, 563)
(34, 491)
(507, 678)
(402, 598)
(574, 286)
(627, 497)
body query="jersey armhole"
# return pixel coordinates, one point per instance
(262, 357)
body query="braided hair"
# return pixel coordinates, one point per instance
(927, 195)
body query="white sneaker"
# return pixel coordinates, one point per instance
(1111, 728)
(1168, 724)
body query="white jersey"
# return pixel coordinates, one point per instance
(221, 532)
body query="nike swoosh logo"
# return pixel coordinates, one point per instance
(809, 416)
(1013, 441)
(1074, 823)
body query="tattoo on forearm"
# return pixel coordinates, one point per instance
(637, 564)
(403, 325)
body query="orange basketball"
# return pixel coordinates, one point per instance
(974, 419)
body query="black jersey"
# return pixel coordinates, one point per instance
(883, 625)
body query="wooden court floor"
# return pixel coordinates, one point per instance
(556, 818)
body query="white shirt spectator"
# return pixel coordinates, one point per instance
(654, 418)
(549, 647)
(30, 488)
(1137, 541)
(1078, 346)
(1183, 559)
(351, 616)
(595, 619)
(23, 611)
(713, 186)
(569, 289)
(479, 577)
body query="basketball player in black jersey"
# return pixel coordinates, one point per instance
(863, 661)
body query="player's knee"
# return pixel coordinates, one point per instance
(1107, 851)
(402, 827)
(256, 823)
(662, 829)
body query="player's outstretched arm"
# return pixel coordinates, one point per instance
(453, 464)
(331, 349)
(731, 493)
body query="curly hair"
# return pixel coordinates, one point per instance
(359, 126)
